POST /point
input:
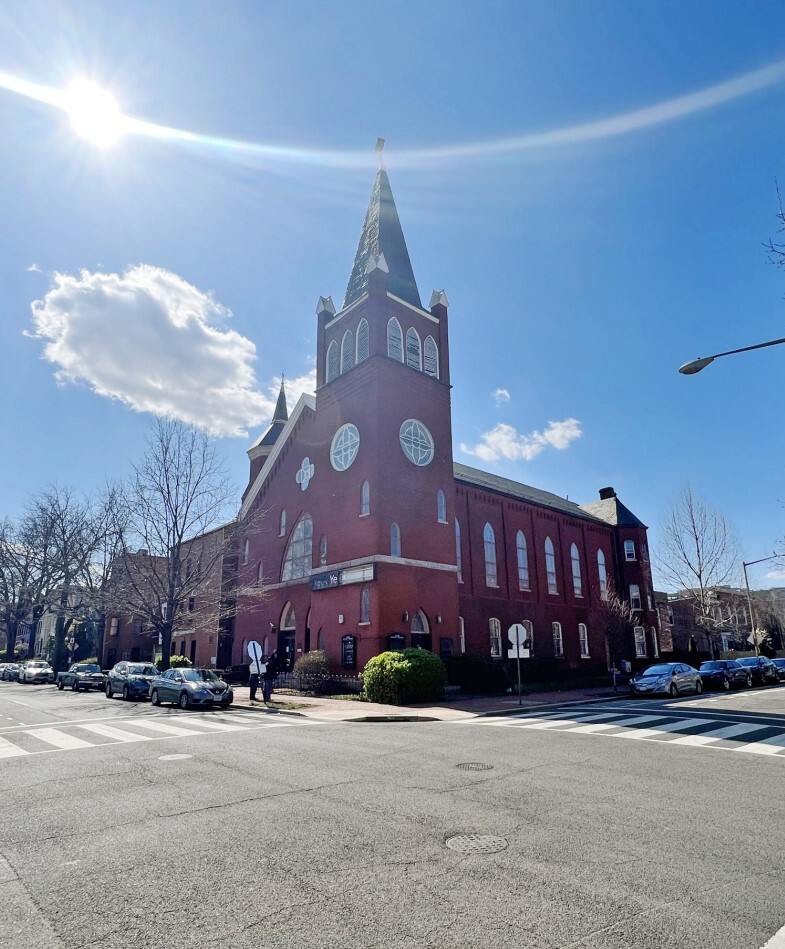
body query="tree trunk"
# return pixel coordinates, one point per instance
(166, 646)
(100, 629)
(12, 625)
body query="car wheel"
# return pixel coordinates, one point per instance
(74, 686)
(749, 682)
(126, 693)
(60, 684)
(673, 690)
(183, 701)
(698, 687)
(154, 697)
(108, 690)
(726, 685)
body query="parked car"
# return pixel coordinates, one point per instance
(4, 666)
(763, 670)
(780, 664)
(724, 674)
(10, 672)
(670, 678)
(36, 670)
(131, 679)
(82, 675)
(190, 687)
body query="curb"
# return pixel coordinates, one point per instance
(519, 709)
(269, 711)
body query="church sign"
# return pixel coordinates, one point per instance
(342, 578)
(349, 652)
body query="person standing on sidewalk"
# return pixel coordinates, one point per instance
(268, 676)
(256, 670)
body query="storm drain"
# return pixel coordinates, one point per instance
(476, 843)
(474, 766)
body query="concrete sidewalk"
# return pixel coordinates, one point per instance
(327, 709)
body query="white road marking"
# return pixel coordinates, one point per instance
(176, 730)
(672, 727)
(732, 731)
(59, 739)
(9, 750)
(777, 941)
(117, 733)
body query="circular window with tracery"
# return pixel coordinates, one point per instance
(344, 447)
(416, 442)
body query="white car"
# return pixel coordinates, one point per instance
(37, 670)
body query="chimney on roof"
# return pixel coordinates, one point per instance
(607, 493)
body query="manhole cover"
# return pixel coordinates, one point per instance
(474, 766)
(476, 843)
(173, 757)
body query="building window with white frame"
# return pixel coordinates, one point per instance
(458, 561)
(575, 559)
(461, 635)
(603, 575)
(441, 507)
(323, 550)
(365, 499)
(654, 644)
(299, 550)
(489, 542)
(558, 641)
(332, 370)
(394, 340)
(550, 566)
(431, 357)
(347, 351)
(640, 642)
(260, 572)
(365, 605)
(363, 341)
(495, 630)
(635, 597)
(246, 549)
(522, 555)
(282, 523)
(413, 349)
(395, 540)
(629, 550)
(529, 627)
(583, 639)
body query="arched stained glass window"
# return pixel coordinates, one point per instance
(575, 559)
(550, 566)
(363, 342)
(332, 370)
(420, 622)
(288, 617)
(458, 550)
(441, 507)
(395, 540)
(603, 575)
(365, 499)
(522, 553)
(299, 550)
(347, 351)
(394, 340)
(431, 357)
(413, 349)
(489, 542)
(365, 605)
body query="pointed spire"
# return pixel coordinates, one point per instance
(382, 240)
(281, 413)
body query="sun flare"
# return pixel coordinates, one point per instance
(94, 113)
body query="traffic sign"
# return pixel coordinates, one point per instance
(521, 644)
(255, 654)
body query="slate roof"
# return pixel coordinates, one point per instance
(612, 511)
(280, 418)
(382, 234)
(523, 492)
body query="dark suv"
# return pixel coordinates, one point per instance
(131, 679)
(724, 674)
(763, 670)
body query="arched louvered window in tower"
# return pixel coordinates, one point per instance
(363, 343)
(441, 507)
(394, 340)
(413, 349)
(299, 550)
(395, 540)
(347, 351)
(523, 560)
(431, 357)
(332, 369)
(365, 499)
(489, 542)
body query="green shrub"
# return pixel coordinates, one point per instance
(395, 678)
(93, 659)
(476, 673)
(179, 662)
(312, 669)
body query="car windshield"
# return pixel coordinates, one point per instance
(142, 670)
(779, 662)
(749, 662)
(657, 671)
(38, 664)
(711, 666)
(200, 675)
(88, 667)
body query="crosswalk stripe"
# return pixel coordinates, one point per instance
(552, 724)
(718, 734)
(53, 736)
(10, 750)
(218, 726)
(766, 746)
(174, 730)
(118, 734)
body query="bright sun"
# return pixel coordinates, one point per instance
(94, 113)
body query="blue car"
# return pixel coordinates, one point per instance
(131, 679)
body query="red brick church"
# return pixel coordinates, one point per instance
(373, 537)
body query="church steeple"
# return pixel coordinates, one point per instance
(382, 236)
(281, 413)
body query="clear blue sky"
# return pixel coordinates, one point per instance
(582, 268)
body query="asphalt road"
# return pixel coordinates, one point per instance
(638, 823)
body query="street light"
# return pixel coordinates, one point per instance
(690, 368)
(754, 625)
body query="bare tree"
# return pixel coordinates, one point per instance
(776, 248)
(178, 535)
(699, 553)
(615, 618)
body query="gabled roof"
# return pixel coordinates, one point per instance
(382, 235)
(523, 492)
(612, 511)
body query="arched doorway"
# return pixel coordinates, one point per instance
(421, 631)
(286, 635)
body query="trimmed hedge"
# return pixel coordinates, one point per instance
(399, 677)
(179, 662)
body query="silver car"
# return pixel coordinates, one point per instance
(188, 687)
(669, 678)
(37, 670)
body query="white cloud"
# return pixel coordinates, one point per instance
(503, 441)
(154, 342)
(500, 396)
(777, 574)
(34, 268)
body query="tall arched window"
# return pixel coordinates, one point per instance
(299, 550)
(413, 349)
(363, 343)
(603, 575)
(282, 523)
(489, 541)
(529, 627)
(583, 639)
(550, 566)
(332, 369)
(558, 642)
(495, 632)
(575, 559)
(395, 540)
(461, 635)
(246, 548)
(523, 561)
(288, 617)
(441, 507)
(420, 623)
(365, 499)
(347, 351)
(259, 572)
(458, 550)
(431, 357)
(394, 340)
(265, 646)
(365, 605)
(323, 550)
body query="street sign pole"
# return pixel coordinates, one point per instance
(520, 650)
(520, 697)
